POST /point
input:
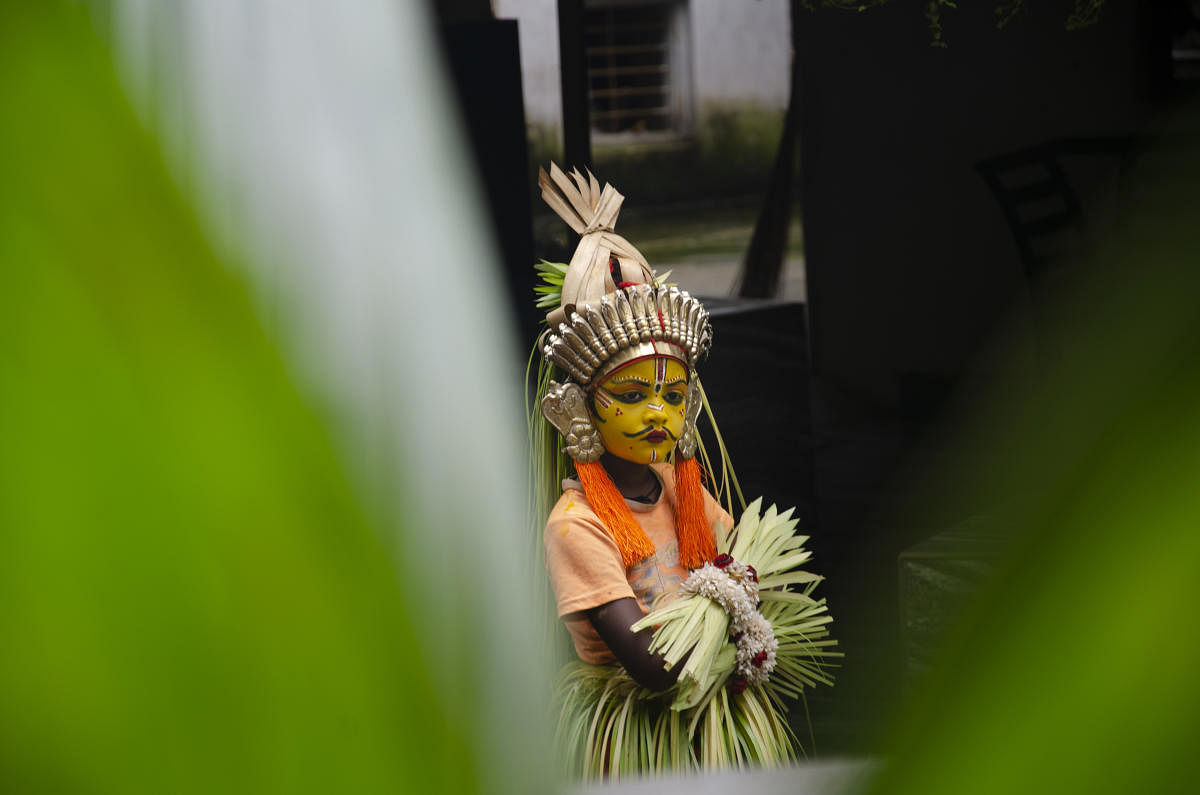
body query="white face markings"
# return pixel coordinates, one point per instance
(653, 456)
(602, 399)
(656, 406)
(660, 374)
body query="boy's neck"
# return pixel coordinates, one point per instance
(632, 479)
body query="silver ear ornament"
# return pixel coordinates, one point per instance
(693, 402)
(565, 405)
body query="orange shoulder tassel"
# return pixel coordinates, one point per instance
(610, 506)
(696, 543)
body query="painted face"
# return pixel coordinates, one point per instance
(639, 409)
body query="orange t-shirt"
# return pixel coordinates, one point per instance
(585, 565)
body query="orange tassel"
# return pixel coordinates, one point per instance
(696, 543)
(610, 507)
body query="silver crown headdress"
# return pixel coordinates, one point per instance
(612, 312)
(602, 324)
(626, 325)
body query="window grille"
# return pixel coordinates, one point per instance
(632, 57)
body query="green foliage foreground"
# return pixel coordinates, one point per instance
(190, 599)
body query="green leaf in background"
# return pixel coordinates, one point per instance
(190, 598)
(1076, 671)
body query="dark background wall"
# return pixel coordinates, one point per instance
(909, 261)
(913, 272)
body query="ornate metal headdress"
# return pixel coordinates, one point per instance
(612, 313)
(603, 322)
(626, 325)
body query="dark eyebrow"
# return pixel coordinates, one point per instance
(633, 379)
(676, 381)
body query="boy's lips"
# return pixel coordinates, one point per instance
(655, 437)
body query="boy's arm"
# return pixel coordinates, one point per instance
(632, 649)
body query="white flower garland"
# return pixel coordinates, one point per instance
(734, 586)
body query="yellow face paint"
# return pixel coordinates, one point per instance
(639, 409)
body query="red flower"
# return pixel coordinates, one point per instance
(759, 659)
(752, 572)
(738, 685)
(721, 561)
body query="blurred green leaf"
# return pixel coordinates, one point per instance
(1076, 670)
(190, 598)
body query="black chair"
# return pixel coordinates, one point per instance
(1042, 209)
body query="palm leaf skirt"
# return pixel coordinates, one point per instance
(609, 726)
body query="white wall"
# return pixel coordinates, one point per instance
(741, 50)
(537, 25)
